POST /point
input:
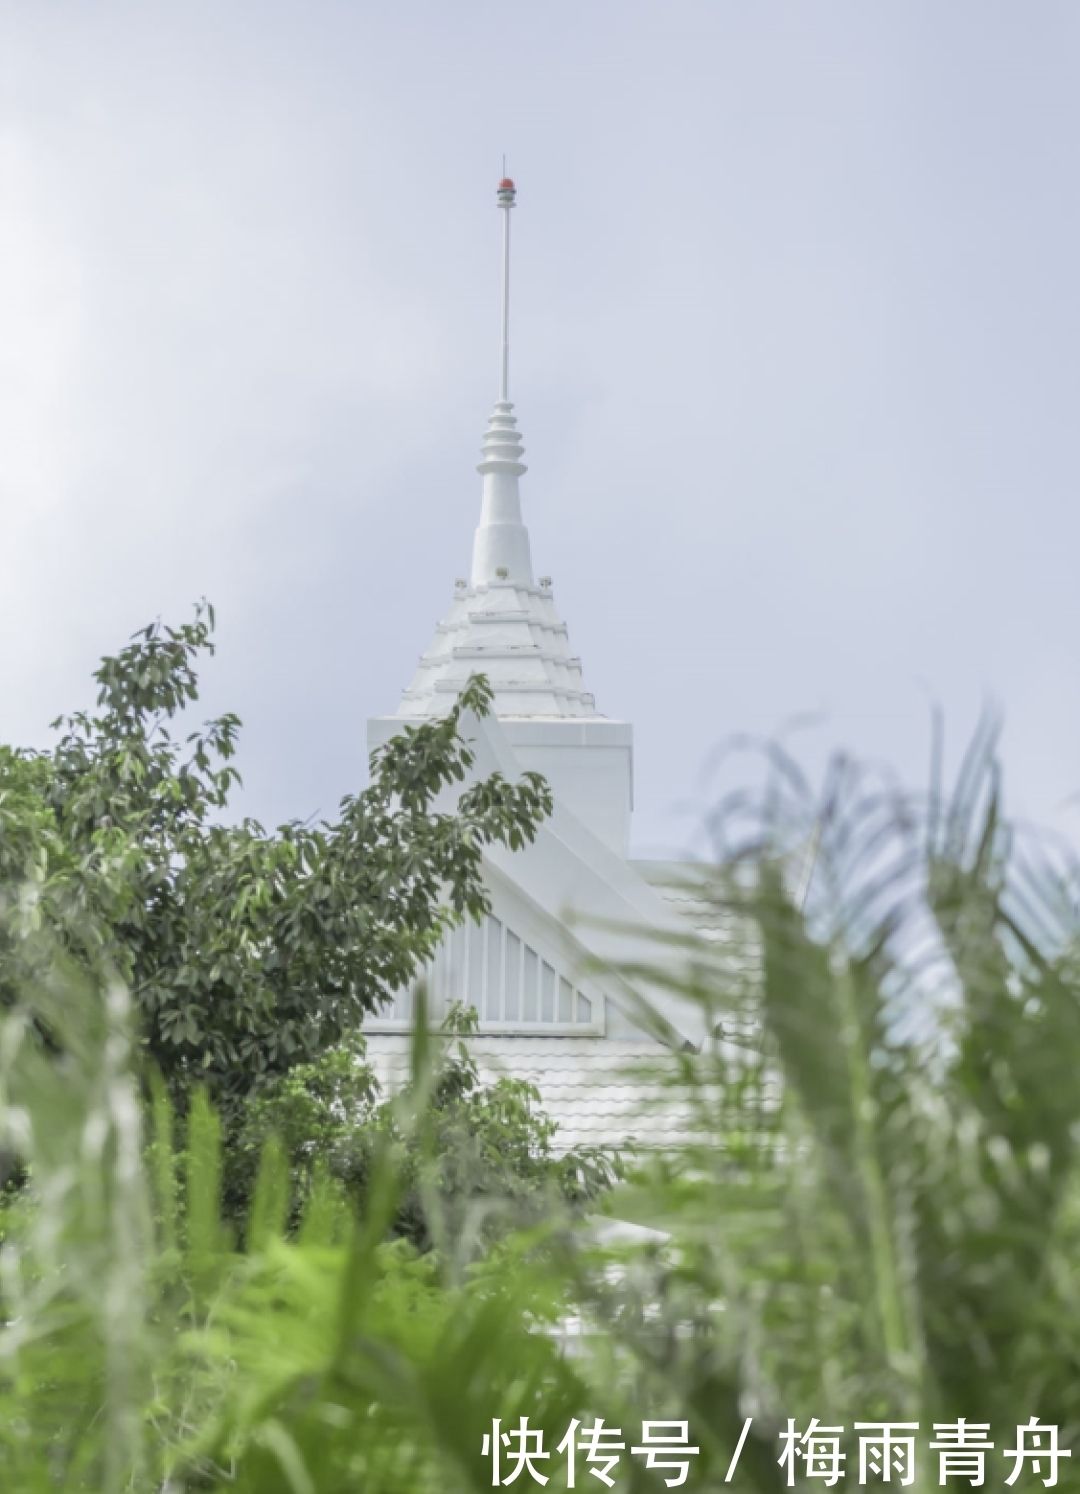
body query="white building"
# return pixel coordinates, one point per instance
(542, 969)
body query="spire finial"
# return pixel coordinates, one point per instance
(506, 195)
(501, 551)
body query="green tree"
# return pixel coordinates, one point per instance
(247, 951)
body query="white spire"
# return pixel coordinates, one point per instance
(502, 623)
(501, 549)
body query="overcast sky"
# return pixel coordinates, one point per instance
(795, 356)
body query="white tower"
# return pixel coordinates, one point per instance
(569, 912)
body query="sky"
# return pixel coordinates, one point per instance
(795, 355)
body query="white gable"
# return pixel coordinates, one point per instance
(601, 905)
(519, 970)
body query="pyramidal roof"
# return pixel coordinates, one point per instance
(502, 623)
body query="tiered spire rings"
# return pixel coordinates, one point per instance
(501, 548)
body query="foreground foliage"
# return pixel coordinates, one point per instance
(879, 1222)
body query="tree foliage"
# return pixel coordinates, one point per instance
(247, 951)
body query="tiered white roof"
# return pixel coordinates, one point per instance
(512, 634)
(502, 623)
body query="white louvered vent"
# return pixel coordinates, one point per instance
(512, 987)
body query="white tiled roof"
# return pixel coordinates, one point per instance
(598, 1090)
(704, 896)
(699, 892)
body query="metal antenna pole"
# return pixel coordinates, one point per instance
(504, 382)
(507, 193)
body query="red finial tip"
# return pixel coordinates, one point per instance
(506, 185)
